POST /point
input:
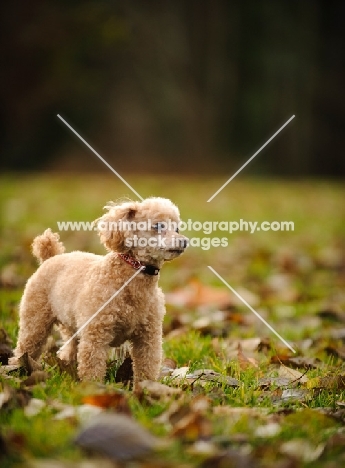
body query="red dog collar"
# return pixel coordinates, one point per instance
(151, 270)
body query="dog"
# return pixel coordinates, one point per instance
(68, 289)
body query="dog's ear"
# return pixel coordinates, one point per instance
(111, 226)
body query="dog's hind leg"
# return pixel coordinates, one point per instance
(35, 323)
(69, 353)
(147, 353)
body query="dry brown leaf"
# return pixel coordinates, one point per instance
(281, 358)
(117, 401)
(229, 347)
(63, 366)
(168, 367)
(83, 413)
(180, 372)
(156, 390)
(337, 352)
(268, 430)
(192, 427)
(10, 369)
(303, 362)
(280, 287)
(34, 407)
(331, 382)
(35, 378)
(292, 374)
(230, 458)
(245, 361)
(279, 382)
(333, 315)
(11, 398)
(29, 364)
(302, 449)
(295, 394)
(203, 376)
(170, 363)
(196, 294)
(235, 413)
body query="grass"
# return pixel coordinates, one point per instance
(293, 275)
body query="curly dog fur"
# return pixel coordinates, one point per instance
(68, 288)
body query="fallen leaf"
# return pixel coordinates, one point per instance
(302, 449)
(331, 382)
(170, 363)
(294, 393)
(83, 413)
(337, 352)
(193, 426)
(203, 376)
(245, 361)
(198, 294)
(156, 390)
(280, 287)
(53, 463)
(34, 407)
(35, 378)
(335, 443)
(337, 334)
(229, 347)
(332, 315)
(230, 458)
(174, 413)
(69, 368)
(268, 430)
(117, 401)
(29, 364)
(180, 372)
(264, 346)
(292, 374)
(11, 398)
(266, 382)
(235, 413)
(117, 437)
(203, 448)
(304, 362)
(281, 358)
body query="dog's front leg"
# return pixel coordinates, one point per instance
(92, 354)
(147, 353)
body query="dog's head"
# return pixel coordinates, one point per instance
(147, 230)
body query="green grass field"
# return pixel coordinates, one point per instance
(295, 280)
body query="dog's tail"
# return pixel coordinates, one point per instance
(47, 245)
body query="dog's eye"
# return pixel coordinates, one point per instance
(158, 226)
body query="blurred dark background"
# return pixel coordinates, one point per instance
(173, 86)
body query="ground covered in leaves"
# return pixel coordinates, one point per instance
(231, 394)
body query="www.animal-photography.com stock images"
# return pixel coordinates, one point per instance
(172, 261)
